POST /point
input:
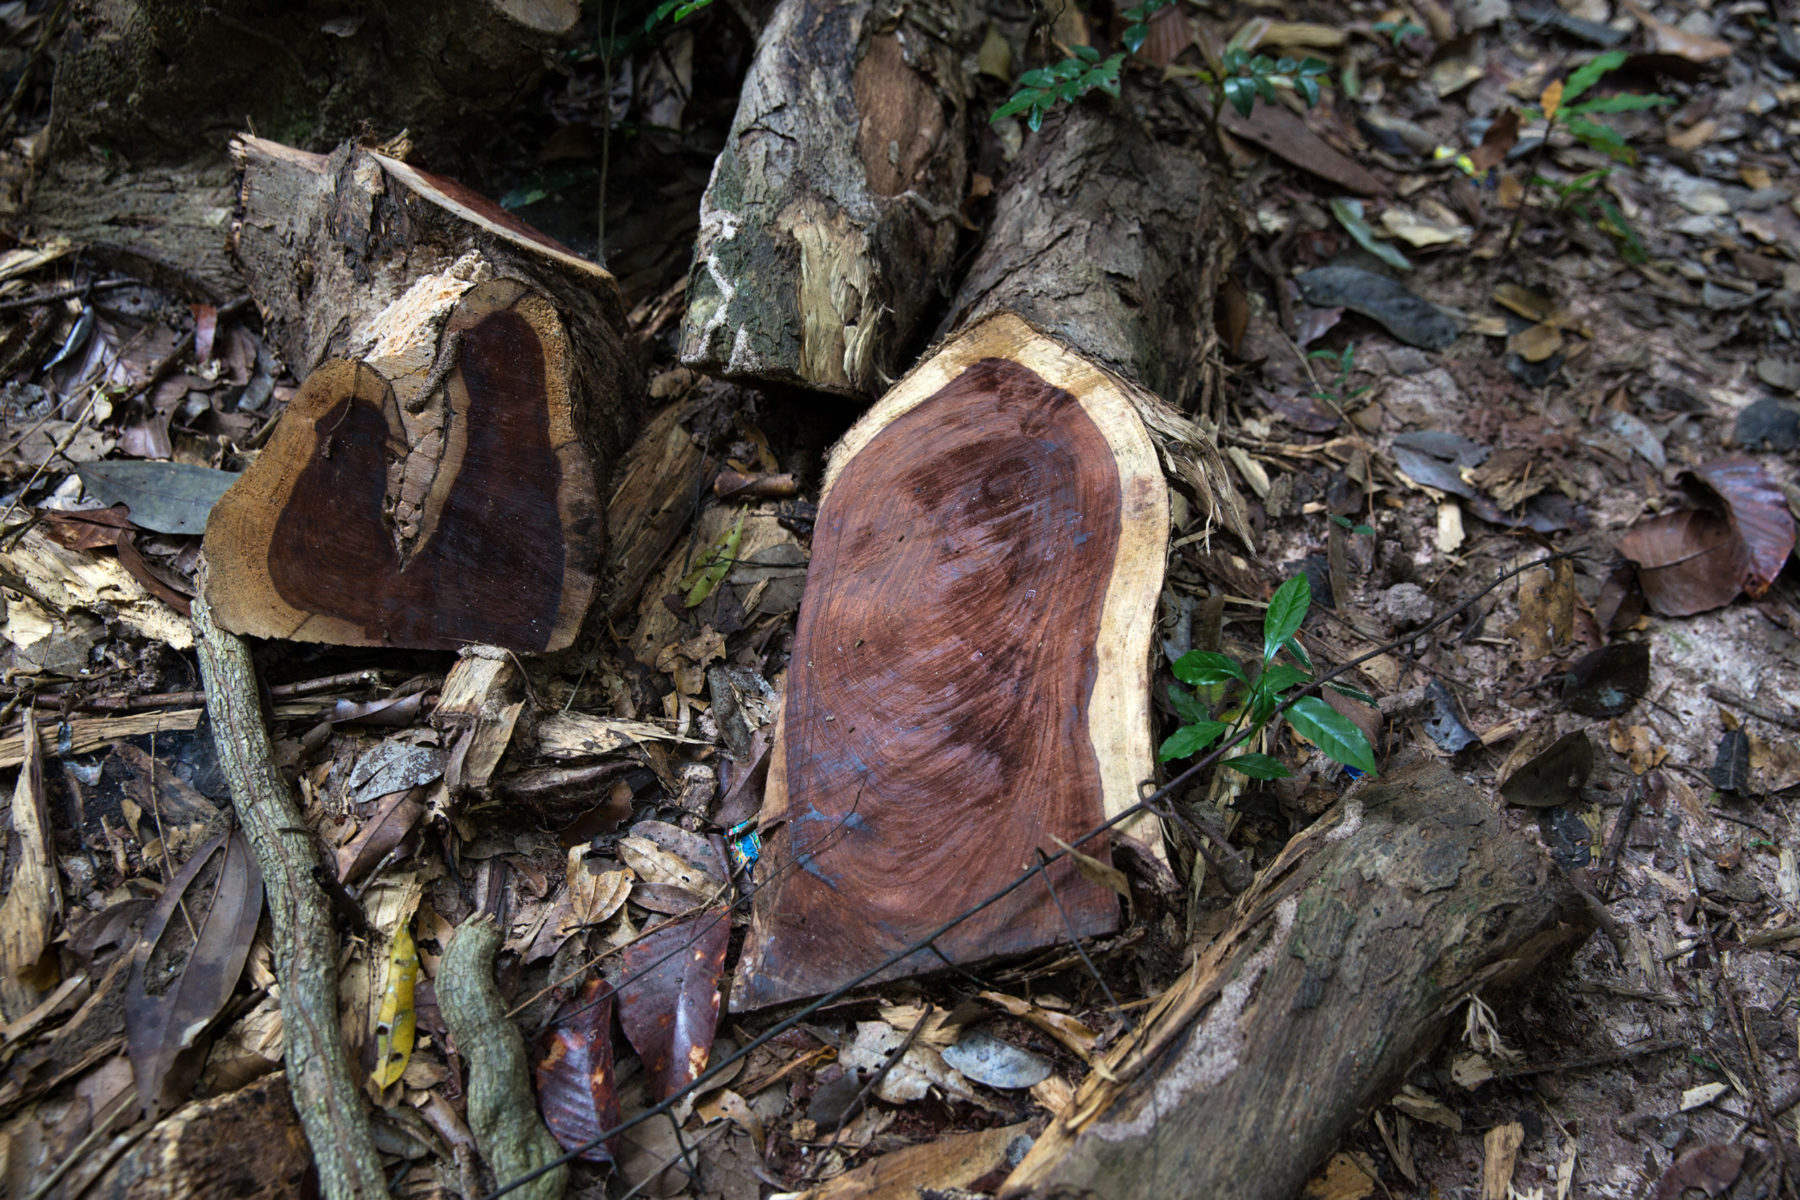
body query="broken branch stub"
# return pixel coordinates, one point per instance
(835, 207)
(358, 527)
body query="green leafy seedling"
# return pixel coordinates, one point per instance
(1561, 107)
(1062, 83)
(1310, 716)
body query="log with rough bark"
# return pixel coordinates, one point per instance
(435, 481)
(148, 93)
(971, 673)
(833, 212)
(1346, 963)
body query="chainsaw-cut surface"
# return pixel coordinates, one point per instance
(969, 671)
(506, 541)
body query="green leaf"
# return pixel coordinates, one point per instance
(1280, 677)
(1624, 102)
(1293, 647)
(1242, 94)
(1603, 138)
(1188, 706)
(1344, 689)
(1286, 66)
(1135, 36)
(1589, 73)
(1332, 732)
(1314, 67)
(712, 568)
(1208, 668)
(1265, 88)
(1036, 118)
(1350, 215)
(1019, 103)
(1308, 88)
(1087, 54)
(1043, 77)
(1190, 740)
(1287, 610)
(1257, 766)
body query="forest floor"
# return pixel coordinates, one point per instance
(1625, 346)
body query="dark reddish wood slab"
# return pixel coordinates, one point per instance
(506, 547)
(939, 724)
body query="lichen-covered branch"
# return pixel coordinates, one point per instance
(503, 1115)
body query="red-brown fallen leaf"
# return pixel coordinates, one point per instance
(1699, 559)
(1709, 1169)
(1497, 142)
(577, 1090)
(669, 998)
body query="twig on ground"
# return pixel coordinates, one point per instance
(330, 1106)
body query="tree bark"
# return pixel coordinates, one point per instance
(1346, 963)
(834, 209)
(971, 673)
(436, 481)
(148, 93)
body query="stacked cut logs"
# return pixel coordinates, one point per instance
(969, 689)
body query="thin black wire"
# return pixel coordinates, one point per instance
(1030, 873)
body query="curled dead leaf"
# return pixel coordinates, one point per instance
(1736, 540)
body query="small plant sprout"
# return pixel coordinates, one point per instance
(1062, 83)
(1240, 78)
(1561, 107)
(1208, 671)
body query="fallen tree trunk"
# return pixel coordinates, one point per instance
(1346, 963)
(435, 482)
(833, 211)
(970, 678)
(148, 93)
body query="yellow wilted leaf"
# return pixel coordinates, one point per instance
(394, 1030)
(1551, 99)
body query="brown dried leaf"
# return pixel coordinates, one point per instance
(162, 1026)
(593, 895)
(1537, 776)
(396, 817)
(1699, 559)
(669, 998)
(577, 1090)
(1546, 609)
(1707, 1169)
(1499, 140)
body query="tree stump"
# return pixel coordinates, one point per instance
(435, 481)
(1347, 961)
(833, 212)
(148, 93)
(971, 672)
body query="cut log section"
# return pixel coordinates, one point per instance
(971, 672)
(435, 481)
(507, 537)
(834, 210)
(1346, 963)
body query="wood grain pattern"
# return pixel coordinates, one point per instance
(508, 538)
(969, 677)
